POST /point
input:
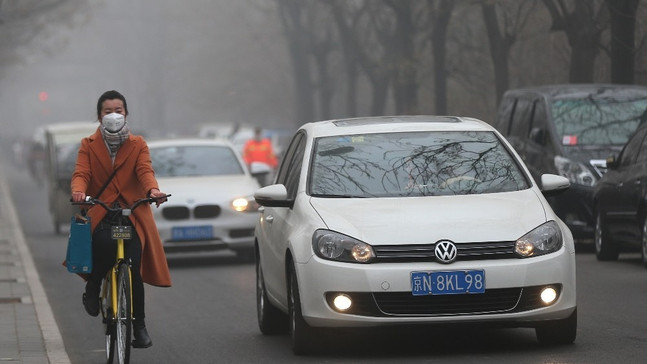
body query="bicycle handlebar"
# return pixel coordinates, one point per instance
(89, 201)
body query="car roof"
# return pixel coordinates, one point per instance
(583, 90)
(174, 142)
(404, 123)
(71, 126)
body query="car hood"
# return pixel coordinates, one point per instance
(188, 190)
(422, 220)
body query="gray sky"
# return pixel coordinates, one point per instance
(179, 64)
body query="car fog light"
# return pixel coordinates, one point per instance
(342, 302)
(548, 295)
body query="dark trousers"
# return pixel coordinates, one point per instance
(104, 251)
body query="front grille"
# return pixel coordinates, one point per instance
(206, 211)
(175, 212)
(425, 252)
(241, 233)
(405, 304)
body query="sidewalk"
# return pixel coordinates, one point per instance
(28, 331)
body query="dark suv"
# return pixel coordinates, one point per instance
(620, 201)
(570, 130)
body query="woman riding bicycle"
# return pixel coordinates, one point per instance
(112, 148)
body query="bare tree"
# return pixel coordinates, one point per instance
(623, 36)
(502, 33)
(23, 21)
(583, 23)
(439, 15)
(298, 35)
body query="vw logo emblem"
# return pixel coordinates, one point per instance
(445, 251)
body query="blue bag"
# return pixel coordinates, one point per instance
(79, 246)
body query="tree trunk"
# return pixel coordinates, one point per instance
(623, 26)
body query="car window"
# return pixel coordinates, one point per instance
(642, 154)
(294, 170)
(413, 164)
(521, 119)
(505, 115)
(185, 161)
(630, 151)
(597, 121)
(287, 159)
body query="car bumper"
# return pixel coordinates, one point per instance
(235, 234)
(383, 292)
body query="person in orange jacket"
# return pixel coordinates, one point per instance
(112, 147)
(259, 149)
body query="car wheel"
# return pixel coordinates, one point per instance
(271, 320)
(643, 251)
(559, 332)
(604, 247)
(301, 333)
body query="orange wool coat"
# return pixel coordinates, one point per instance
(134, 179)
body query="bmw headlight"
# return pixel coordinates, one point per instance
(576, 172)
(245, 204)
(545, 239)
(335, 246)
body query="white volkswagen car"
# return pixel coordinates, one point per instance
(410, 220)
(212, 204)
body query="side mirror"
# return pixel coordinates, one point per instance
(552, 184)
(273, 196)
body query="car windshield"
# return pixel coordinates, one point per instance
(593, 121)
(185, 161)
(413, 164)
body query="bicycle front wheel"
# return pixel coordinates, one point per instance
(124, 313)
(108, 319)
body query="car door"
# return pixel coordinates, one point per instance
(625, 190)
(280, 220)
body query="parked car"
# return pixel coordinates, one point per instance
(62, 143)
(410, 220)
(619, 198)
(212, 205)
(570, 130)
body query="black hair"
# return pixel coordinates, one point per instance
(110, 95)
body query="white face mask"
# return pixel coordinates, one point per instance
(113, 122)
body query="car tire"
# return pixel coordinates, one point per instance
(301, 333)
(643, 243)
(604, 248)
(559, 332)
(271, 321)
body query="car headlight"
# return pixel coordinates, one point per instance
(335, 246)
(576, 172)
(245, 204)
(545, 239)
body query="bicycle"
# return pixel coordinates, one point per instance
(116, 299)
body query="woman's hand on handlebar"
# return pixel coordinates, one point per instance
(78, 196)
(161, 196)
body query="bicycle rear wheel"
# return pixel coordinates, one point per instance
(124, 313)
(108, 320)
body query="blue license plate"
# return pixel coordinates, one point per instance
(192, 233)
(448, 282)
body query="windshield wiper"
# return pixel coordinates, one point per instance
(331, 195)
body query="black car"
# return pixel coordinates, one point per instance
(570, 130)
(620, 200)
